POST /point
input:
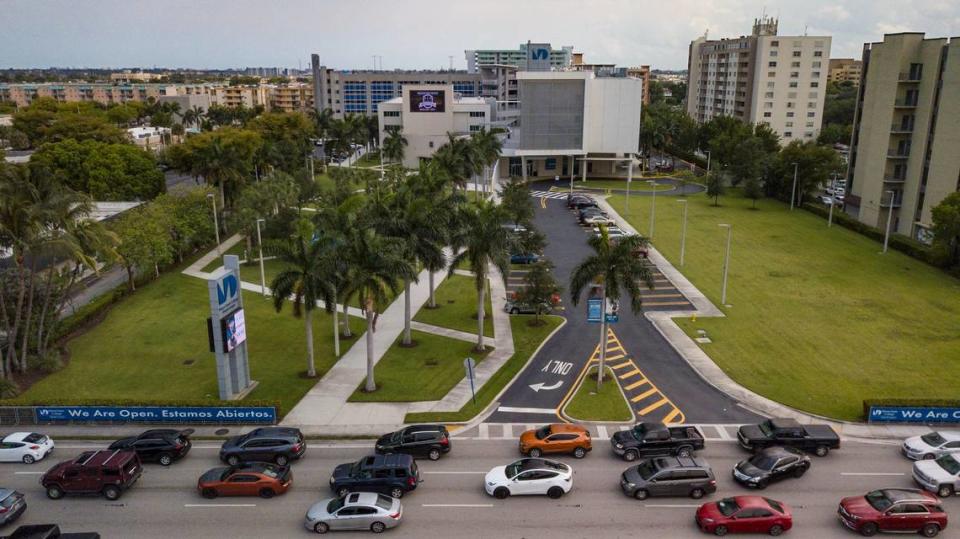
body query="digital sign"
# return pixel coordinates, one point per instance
(427, 100)
(234, 330)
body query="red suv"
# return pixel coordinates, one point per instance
(93, 472)
(896, 510)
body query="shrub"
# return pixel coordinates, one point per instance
(8, 388)
(47, 363)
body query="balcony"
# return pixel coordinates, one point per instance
(908, 77)
(905, 103)
(885, 202)
(893, 179)
(900, 128)
(898, 154)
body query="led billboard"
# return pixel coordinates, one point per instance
(427, 100)
(234, 330)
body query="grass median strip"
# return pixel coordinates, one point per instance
(457, 307)
(607, 405)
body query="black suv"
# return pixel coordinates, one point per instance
(429, 441)
(389, 474)
(264, 444)
(157, 445)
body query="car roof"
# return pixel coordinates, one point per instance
(104, 458)
(16, 436)
(681, 462)
(361, 498)
(778, 451)
(897, 495)
(393, 459)
(784, 423)
(528, 464)
(5, 492)
(426, 428)
(269, 432)
(567, 427)
(257, 467)
(752, 501)
(949, 435)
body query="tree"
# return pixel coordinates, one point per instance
(262, 200)
(82, 127)
(835, 134)
(753, 190)
(946, 227)
(614, 266)
(715, 187)
(103, 170)
(286, 139)
(487, 148)
(517, 202)
(540, 287)
(224, 158)
(144, 242)
(188, 219)
(308, 276)
(394, 146)
(814, 162)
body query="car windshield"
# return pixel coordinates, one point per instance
(727, 506)
(555, 465)
(334, 505)
(766, 428)
(9, 500)
(949, 464)
(933, 439)
(542, 432)
(638, 432)
(513, 469)
(395, 437)
(878, 500)
(647, 468)
(384, 502)
(763, 462)
(271, 471)
(775, 505)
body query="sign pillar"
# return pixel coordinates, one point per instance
(229, 330)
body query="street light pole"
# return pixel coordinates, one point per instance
(603, 334)
(886, 236)
(726, 265)
(216, 224)
(683, 230)
(793, 191)
(629, 181)
(653, 205)
(263, 278)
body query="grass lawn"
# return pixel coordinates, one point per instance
(425, 372)
(526, 339)
(457, 307)
(820, 320)
(608, 405)
(637, 185)
(139, 350)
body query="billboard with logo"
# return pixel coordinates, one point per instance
(427, 100)
(234, 330)
(538, 57)
(227, 329)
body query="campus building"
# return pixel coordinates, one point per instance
(761, 78)
(904, 156)
(558, 58)
(845, 70)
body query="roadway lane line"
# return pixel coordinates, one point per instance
(29, 473)
(457, 505)
(547, 411)
(219, 505)
(437, 472)
(676, 506)
(873, 473)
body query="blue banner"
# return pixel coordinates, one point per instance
(156, 414)
(913, 414)
(594, 310)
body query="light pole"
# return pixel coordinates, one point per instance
(886, 236)
(793, 191)
(216, 224)
(603, 334)
(833, 201)
(683, 230)
(726, 264)
(382, 170)
(653, 205)
(629, 181)
(263, 278)
(708, 162)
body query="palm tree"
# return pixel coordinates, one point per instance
(457, 159)
(488, 147)
(394, 146)
(309, 276)
(484, 241)
(615, 267)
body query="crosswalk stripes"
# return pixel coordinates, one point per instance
(548, 194)
(512, 431)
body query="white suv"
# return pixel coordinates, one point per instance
(529, 476)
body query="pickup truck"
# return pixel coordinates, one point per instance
(818, 439)
(656, 440)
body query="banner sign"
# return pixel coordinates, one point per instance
(913, 414)
(594, 310)
(157, 414)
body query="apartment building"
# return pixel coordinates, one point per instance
(845, 70)
(128, 76)
(761, 78)
(904, 156)
(106, 94)
(558, 58)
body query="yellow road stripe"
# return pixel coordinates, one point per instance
(671, 415)
(622, 365)
(636, 384)
(615, 349)
(653, 406)
(543, 202)
(644, 395)
(629, 374)
(611, 358)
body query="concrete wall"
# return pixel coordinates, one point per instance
(612, 109)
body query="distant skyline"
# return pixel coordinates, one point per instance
(418, 34)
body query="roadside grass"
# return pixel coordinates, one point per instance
(139, 350)
(368, 159)
(457, 307)
(425, 372)
(819, 319)
(637, 185)
(526, 339)
(607, 405)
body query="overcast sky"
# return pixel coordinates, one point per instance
(422, 34)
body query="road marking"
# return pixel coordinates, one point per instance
(484, 431)
(684, 506)
(543, 202)
(644, 395)
(620, 366)
(634, 372)
(457, 505)
(671, 415)
(547, 411)
(722, 432)
(873, 473)
(637, 384)
(451, 473)
(665, 303)
(654, 406)
(602, 432)
(219, 505)
(29, 473)
(613, 358)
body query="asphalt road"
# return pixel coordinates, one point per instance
(451, 501)
(561, 361)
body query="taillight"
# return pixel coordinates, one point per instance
(712, 483)
(395, 516)
(296, 446)
(411, 481)
(444, 441)
(3, 510)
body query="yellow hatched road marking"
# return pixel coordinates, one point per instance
(635, 371)
(622, 365)
(637, 384)
(616, 357)
(671, 415)
(644, 395)
(653, 406)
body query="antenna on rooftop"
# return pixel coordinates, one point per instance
(805, 28)
(451, 62)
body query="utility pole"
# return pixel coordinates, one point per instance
(726, 265)
(793, 191)
(886, 236)
(263, 277)
(653, 206)
(683, 230)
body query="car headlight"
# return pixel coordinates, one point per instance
(619, 445)
(331, 480)
(708, 521)
(491, 484)
(631, 485)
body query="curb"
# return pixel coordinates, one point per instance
(570, 419)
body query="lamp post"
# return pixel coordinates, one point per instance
(216, 224)
(708, 162)
(833, 201)
(382, 170)
(793, 191)
(653, 205)
(726, 264)
(629, 181)
(263, 277)
(886, 236)
(683, 230)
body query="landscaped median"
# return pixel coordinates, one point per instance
(638, 185)
(608, 404)
(818, 319)
(457, 307)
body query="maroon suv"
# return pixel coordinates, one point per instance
(93, 472)
(896, 510)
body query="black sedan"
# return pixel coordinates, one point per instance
(771, 464)
(158, 445)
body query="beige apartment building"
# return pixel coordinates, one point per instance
(761, 78)
(905, 152)
(845, 70)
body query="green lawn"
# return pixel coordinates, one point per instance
(526, 339)
(369, 159)
(139, 350)
(457, 307)
(608, 405)
(819, 319)
(425, 372)
(637, 185)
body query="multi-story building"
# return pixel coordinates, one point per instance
(845, 70)
(904, 156)
(245, 95)
(642, 73)
(106, 94)
(559, 58)
(128, 76)
(761, 78)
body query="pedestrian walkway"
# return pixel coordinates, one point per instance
(512, 431)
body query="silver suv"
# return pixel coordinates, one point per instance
(669, 476)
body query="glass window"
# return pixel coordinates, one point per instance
(773, 53)
(796, 54)
(772, 64)
(767, 114)
(818, 53)
(814, 84)
(771, 73)
(787, 134)
(775, 43)
(794, 64)
(794, 74)
(789, 115)
(811, 114)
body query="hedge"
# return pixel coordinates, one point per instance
(909, 402)
(688, 156)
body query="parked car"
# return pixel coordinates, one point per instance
(356, 511)
(900, 510)
(583, 213)
(513, 306)
(516, 229)
(596, 219)
(556, 438)
(819, 439)
(941, 475)
(664, 167)
(524, 258)
(12, 505)
(429, 441)
(25, 447)
(248, 479)
(395, 475)
(656, 440)
(744, 514)
(931, 445)
(669, 476)
(613, 232)
(264, 444)
(573, 200)
(165, 446)
(771, 464)
(47, 531)
(528, 477)
(827, 200)
(93, 472)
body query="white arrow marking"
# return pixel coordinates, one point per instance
(539, 385)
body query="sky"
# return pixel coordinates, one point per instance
(418, 34)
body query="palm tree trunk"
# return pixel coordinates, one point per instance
(131, 282)
(308, 319)
(336, 332)
(371, 383)
(406, 314)
(25, 341)
(433, 299)
(481, 300)
(346, 320)
(43, 312)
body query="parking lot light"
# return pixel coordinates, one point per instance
(683, 229)
(726, 264)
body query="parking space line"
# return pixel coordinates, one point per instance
(616, 357)
(671, 505)
(621, 365)
(219, 505)
(644, 395)
(634, 372)
(602, 432)
(873, 473)
(671, 415)
(654, 406)
(637, 384)
(29, 473)
(451, 472)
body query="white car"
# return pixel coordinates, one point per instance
(529, 476)
(26, 447)
(941, 476)
(597, 219)
(826, 200)
(613, 232)
(931, 445)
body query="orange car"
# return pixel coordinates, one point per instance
(556, 438)
(248, 479)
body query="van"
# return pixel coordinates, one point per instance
(93, 472)
(394, 474)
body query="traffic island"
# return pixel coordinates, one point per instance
(609, 404)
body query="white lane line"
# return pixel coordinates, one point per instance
(683, 506)
(546, 411)
(602, 433)
(483, 432)
(457, 505)
(217, 447)
(450, 472)
(872, 473)
(219, 505)
(722, 431)
(29, 473)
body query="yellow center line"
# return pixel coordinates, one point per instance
(543, 202)
(671, 415)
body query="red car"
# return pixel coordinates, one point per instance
(896, 510)
(744, 514)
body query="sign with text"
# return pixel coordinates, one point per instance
(157, 414)
(594, 310)
(427, 100)
(913, 414)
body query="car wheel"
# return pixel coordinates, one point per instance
(696, 493)
(945, 491)
(342, 491)
(535, 453)
(209, 493)
(821, 451)
(929, 456)
(930, 530)
(684, 451)
(554, 492)
(514, 311)
(630, 456)
(111, 492)
(579, 453)
(321, 527)
(396, 492)
(28, 459)
(267, 493)
(165, 460)
(501, 493)
(282, 460)
(54, 492)
(869, 529)
(640, 494)
(378, 527)
(776, 530)
(233, 460)
(434, 454)
(720, 530)
(798, 473)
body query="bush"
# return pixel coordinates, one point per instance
(48, 363)
(134, 402)
(688, 156)
(8, 388)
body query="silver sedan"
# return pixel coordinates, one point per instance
(355, 511)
